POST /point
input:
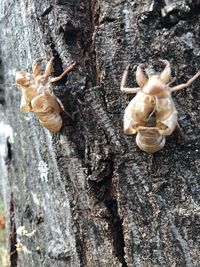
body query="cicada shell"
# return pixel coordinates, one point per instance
(152, 114)
(38, 96)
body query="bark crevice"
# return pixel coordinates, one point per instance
(13, 235)
(115, 224)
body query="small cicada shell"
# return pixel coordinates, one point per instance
(152, 113)
(37, 94)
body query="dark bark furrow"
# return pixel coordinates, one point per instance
(13, 235)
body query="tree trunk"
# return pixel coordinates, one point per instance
(88, 196)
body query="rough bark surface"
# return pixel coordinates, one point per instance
(87, 195)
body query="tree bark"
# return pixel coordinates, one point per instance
(88, 196)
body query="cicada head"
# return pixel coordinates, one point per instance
(157, 83)
(23, 78)
(154, 86)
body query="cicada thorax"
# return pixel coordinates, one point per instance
(137, 112)
(166, 115)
